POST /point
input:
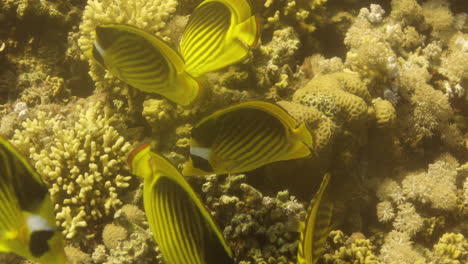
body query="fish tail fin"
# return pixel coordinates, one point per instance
(304, 135)
(314, 231)
(186, 96)
(248, 31)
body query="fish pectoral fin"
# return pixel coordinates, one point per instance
(247, 31)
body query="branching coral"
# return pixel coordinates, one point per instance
(82, 161)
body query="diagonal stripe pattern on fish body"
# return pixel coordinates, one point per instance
(183, 228)
(144, 61)
(315, 229)
(27, 222)
(218, 33)
(244, 137)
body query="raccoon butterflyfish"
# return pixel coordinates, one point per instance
(245, 136)
(27, 222)
(218, 33)
(183, 228)
(314, 230)
(144, 61)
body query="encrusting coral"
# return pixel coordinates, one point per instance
(82, 161)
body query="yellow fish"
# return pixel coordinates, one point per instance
(27, 222)
(315, 229)
(246, 136)
(218, 33)
(183, 228)
(144, 61)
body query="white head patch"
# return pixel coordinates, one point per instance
(99, 48)
(37, 223)
(203, 153)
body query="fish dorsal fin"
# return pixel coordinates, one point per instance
(314, 231)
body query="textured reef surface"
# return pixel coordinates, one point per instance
(382, 86)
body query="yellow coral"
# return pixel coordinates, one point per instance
(384, 112)
(82, 159)
(452, 248)
(326, 93)
(321, 127)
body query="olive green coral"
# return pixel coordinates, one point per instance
(452, 248)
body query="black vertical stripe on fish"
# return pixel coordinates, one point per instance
(39, 242)
(106, 36)
(201, 163)
(98, 56)
(205, 134)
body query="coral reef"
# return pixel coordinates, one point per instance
(250, 219)
(81, 160)
(381, 86)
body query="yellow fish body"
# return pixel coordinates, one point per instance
(27, 222)
(246, 136)
(144, 61)
(218, 33)
(182, 227)
(314, 230)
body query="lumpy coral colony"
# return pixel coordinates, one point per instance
(382, 89)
